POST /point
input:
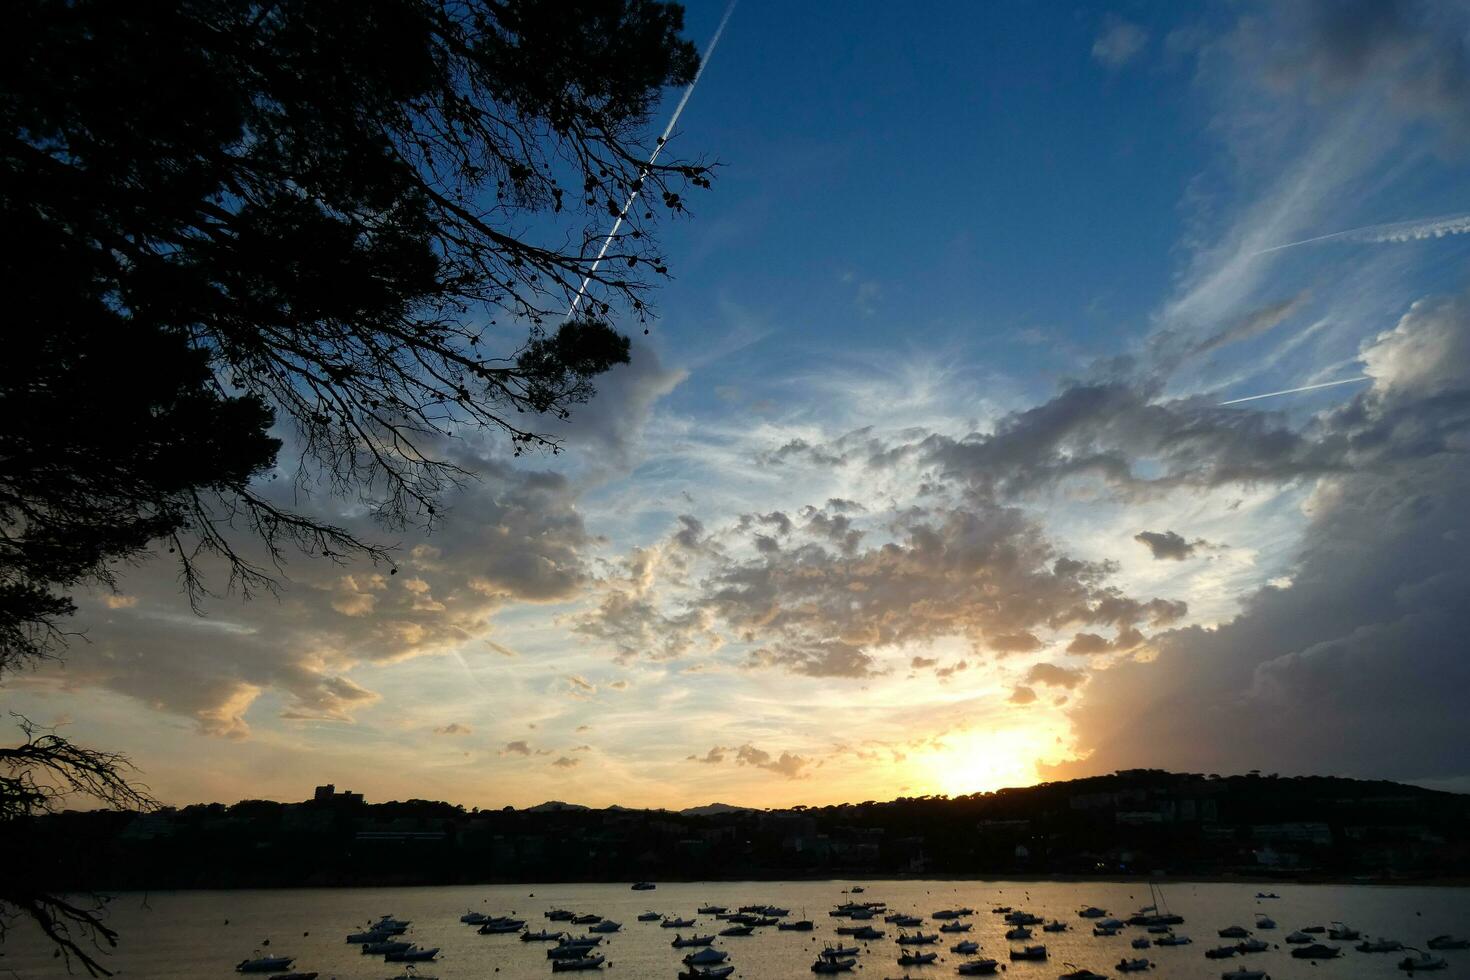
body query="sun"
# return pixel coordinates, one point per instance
(983, 761)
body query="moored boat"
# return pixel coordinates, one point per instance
(908, 958)
(1029, 953)
(1423, 961)
(264, 964)
(1316, 951)
(578, 963)
(975, 968)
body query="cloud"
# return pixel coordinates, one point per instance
(1022, 695)
(566, 762)
(787, 764)
(1023, 642)
(518, 747)
(715, 755)
(1055, 676)
(517, 537)
(923, 663)
(1356, 667)
(1167, 545)
(454, 728)
(1118, 43)
(610, 427)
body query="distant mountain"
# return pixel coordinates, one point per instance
(714, 810)
(555, 806)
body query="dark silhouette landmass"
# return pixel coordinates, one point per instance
(1134, 822)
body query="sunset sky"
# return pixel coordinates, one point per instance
(921, 482)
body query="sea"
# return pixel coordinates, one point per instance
(204, 934)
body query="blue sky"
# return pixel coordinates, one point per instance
(920, 482)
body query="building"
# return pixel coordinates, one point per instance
(329, 794)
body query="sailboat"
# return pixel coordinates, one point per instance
(1157, 913)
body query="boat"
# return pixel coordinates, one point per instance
(1082, 974)
(1024, 919)
(1104, 930)
(1157, 913)
(1267, 895)
(708, 956)
(1423, 962)
(1244, 974)
(1126, 965)
(946, 914)
(803, 925)
(560, 915)
(1252, 946)
(1054, 926)
(389, 924)
(918, 939)
(541, 937)
(294, 976)
(473, 918)
(585, 920)
(649, 917)
(494, 928)
(643, 886)
(1110, 923)
(953, 927)
(579, 963)
(712, 910)
(1448, 942)
(1221, 952)
(264, 964)
(1315, 930)
(907, 921)
(765, 920)
(680, 942)
(582, 941)
(868, 933)
(840, 951)
(1000, 910)
(975, 968)
(1029, 953)
(1341, 932)
(358, 938)
(1092, 912)
(1173, 940)
(737, 931)
(413, 955)
(856, 889)
(1316, 951)
(833, 964)
(1234, 932)
(706, 973)
(1143, 942)
(1018, 932)
(1379, 946)
(907, 958)
(1298, 937)
(677, 923)
(606, 926)
(385, 947)
(967, 947)
(1265, 922)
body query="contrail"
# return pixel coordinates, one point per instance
(1397, 231)
(709, 53)
(1292, 391)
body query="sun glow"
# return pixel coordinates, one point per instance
(982, 761)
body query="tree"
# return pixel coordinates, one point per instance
(316, 236)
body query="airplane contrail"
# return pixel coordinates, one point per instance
(1292, 391)
(658, 148)
(1397, 231)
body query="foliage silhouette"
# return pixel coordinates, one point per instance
(310, 236)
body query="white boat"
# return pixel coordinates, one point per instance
(1422, 961)
(706, 973)
(1129, 966)
(264, 964)
(976, 968)
(708, 956)
(967, 947)
(580, 963)
(680, 942)
(1448, 942)
(412, 955)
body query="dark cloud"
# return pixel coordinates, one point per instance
(1167, 544)
(1022, 695)
(566, 762)
(923, 663)
(1055, 676)
(786, 764)
(1023, 642)
(518, 747)
(1358, 666)
(454, 728)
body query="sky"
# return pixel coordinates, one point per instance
(922, 481)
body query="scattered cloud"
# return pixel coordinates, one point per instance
(1118, 43)
(454, 728)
